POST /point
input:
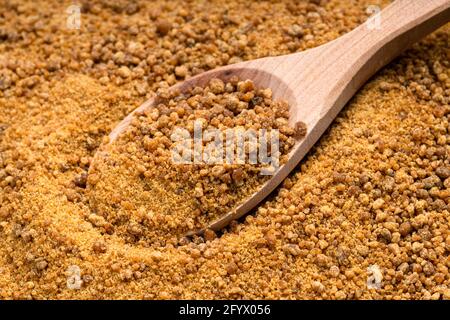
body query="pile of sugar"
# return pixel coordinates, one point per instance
(374, 191)
(141, 191)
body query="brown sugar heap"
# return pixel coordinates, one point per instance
(147, 195)
(364, 216)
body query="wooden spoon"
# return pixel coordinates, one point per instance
(318, 82)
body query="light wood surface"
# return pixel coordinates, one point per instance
(318, 82)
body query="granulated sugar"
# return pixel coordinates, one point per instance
(188, 160)
(375, 189)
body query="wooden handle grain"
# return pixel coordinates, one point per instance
(366, 49)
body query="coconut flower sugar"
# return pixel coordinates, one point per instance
(364, 216)
(156, 182)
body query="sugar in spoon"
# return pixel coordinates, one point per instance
(319, 82)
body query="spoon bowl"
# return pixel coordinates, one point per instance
(243, 70)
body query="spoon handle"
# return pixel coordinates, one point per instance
(369, 47)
